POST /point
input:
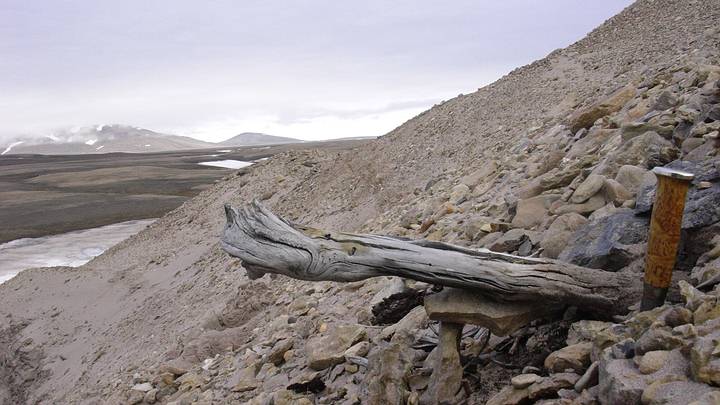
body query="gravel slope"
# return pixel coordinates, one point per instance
(79, 335)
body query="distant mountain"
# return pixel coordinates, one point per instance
(102, 139)
(255, 138)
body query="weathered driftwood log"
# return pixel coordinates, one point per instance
(268, 244)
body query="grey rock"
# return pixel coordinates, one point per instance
(575, 357)
(531, 211)
(510, 241)
(589, 379)
(391, 285)
(559, 232)
(524, 380)
(459, 193)
(620, 383)
(588, 188)
(606, 243)
(657, 339)
(549, 386)
(388, 367)
(594, 203)
(616, 192)
(704, 360)
(652, 361)
(467, 307)
(329, 350)
(489, 239)
(674, 390)
(647, 150)
(446, 378)
(631, 177)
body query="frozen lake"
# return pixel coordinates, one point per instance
(67, 249)
(228, 164)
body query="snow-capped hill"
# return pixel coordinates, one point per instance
(101, 139)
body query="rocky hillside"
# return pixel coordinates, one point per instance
(255, 138)
(550, 160)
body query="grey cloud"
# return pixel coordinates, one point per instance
(179, 63)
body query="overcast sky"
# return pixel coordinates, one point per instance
(310, 69)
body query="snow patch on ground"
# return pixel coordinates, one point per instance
(12, 145)
(228, 164)
(67, 249)
(100, 147)
(147, 145)
(91, 142)
(224, 151)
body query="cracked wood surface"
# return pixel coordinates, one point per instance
(266, 243)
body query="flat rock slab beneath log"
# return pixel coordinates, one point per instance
(467, 307)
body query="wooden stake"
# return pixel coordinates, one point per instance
(665, 225)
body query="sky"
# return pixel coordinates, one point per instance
(310, 69)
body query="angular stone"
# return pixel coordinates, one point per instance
(675, 390)
(633, 129)
(585, 117)
(652, 361)
(607, 242)
(575, 357)
(360, 349)
(388, 369)
(476, 177)
(466, 307)
(244, 379)
(711, 398)
(510, 396)
(415, 319)
(549, 386)
(277, 354)
(559, 233)
(588, 188)
(446, 377)
(647, 150)
(616, 192)
(459, 194)
(594, 203)
(594, 140)
(589, 379)
(657, 339)
(489, 239)
(287, 397)
(329, 350)
(620, 382)
(631, 177)
(705, 363)
(530, 212)
(510, 241)
(143, 387)
(524, 380)
(585, 331)
(708, 310)
(690, 144)
(391, 285)
(606, 211)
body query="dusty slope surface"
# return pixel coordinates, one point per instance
(170, 295)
